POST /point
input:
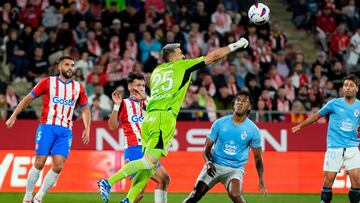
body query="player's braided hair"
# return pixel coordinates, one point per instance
(353, 78)
(167, 50)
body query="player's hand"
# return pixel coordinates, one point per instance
(261, 187)
(86, 136)
(242, 43)
(138, 95)
(211, 170)
(10, 122)
(116, 97)
(296, 128)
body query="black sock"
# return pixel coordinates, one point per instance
(354, 195)
(326, 195)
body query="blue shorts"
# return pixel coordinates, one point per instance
(53, 140)
(134, 153)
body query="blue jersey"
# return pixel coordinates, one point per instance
(343, 121)
(233, 142)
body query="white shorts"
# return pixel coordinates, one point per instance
(223, 174)
(336, 158)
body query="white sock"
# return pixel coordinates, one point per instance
(33, 177)
(49, 181)
(160, 196)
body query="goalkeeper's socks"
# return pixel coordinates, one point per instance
(131, 168)
(354, 195)
(326, 195)
(138, 184)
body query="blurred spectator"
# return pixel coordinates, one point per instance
(4, 108)
(221, 19)
(303, 97)
(276, 79)
(329, 90)
(93, 46)
(85, 64)
(150, 50)
(282, 104)
(114, 46)
(109, 15)
(317, 74)
(132, 46)
(200, 16)
(232, 85)
(283, 65)
(208, 103)
(339, 42)
(301, 15)
(289, 89)
(337, 74)
(296, 115)
(299, 78)
(52, 47)
(98, 113)
(65, 36)
(325, 26)
(38, 66)
(224, 100)
(51, 17)
(99, 72)
(105, 102)
(208, 83)
(261, 114)
(11, 97)
(73, 16)
(269, 87)
(254, 88)
(127, 64)
(278, 39)
(79, 76)
(31, 14)
(16, 56)
(79, 34)
(268, 101)
(323, 62)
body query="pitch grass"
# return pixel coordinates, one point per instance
(174, 198)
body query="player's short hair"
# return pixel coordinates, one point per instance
(167, 50)
(135, 76)
(64, 58)
(246, 94)
(353, 78)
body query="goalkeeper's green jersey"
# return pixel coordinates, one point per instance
(169, 83)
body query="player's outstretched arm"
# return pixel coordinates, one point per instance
(313, 118)
(207, 156)
(260, 168)
(113, 120)
(224, 51)
(24, 103)
(86, 116)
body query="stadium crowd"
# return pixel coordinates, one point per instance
(112, 38)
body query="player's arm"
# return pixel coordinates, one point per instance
(211, 170)
(313, 118)
(224, 51)
(24, 103)
(260, 168)
(86, 116)
(113, 123)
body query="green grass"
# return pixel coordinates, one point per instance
(174, 198)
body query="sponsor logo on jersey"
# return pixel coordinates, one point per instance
(66, 102)
(136, 118)
(243, 135)
(231, 148)
(356, 113)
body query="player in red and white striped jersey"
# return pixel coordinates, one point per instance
(129, 113)
(54, 136)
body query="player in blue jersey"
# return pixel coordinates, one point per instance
(342, 139)
(226, 152)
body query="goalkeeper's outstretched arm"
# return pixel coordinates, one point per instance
(224, 51)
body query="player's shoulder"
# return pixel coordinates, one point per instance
(251, 124)
(223, 119)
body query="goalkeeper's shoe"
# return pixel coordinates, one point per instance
(104, 188)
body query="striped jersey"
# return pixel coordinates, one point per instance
(131, 116)
(59, 101)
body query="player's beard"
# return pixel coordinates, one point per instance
(67, 74)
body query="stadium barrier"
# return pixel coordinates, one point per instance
(286, 172)
(190, 136)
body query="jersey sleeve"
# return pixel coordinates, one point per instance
(41, 87)
(82, 100)
(256, 141)
(214, 131)
(325, 110)
(193, 64)
(121, 112)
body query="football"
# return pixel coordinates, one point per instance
(259, 14)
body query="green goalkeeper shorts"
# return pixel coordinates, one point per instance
(157, 130)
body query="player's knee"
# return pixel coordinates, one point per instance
(57, 167)
(236, 196)
(39, 164)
